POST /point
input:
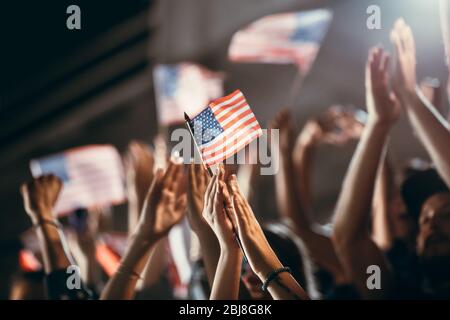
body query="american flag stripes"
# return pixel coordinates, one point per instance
(282, 38)
(226, 126)
(92, 177)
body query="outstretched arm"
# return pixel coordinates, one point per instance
(209, 246)
(431, 127)
(139, 163)
(260, 255)
(39, 197)
(382, 233)
(164, 207)
(352, 240)
(227, 276)
(294, 199)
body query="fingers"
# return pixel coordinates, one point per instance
(173, 177)
(203, 176)
(241, 218)
(239, 203)
(385, 62)
(181, 204)
(234, 186)
(226, 194)
(282, 119)
(221, 172)
(210, 192)
(218, 196)
(396, 36)
(402, 38)
(192, 176)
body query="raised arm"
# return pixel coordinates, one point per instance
(430, 126)
(164, 207)
(260, 255)
(228, 272)
(39, 198)
(293, 186)
(139, 162)
(82, 240)
(294, 200)
(209, 246)
(356, 250)
(382, 233)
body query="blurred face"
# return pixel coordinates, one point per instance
(433, 240)
(404, 224)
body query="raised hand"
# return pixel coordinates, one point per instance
(404, 80)
(431, 128)
(348, 123)
(261, 257)
(336, 126)
(139, 163)
(283, 122)
(405, 54)
(217, 200)
(382, 105)
(164, 206)
(198, 182)
(40, 196)
(165, 203)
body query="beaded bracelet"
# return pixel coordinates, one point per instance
(272, 276)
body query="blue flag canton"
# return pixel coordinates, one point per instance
(312, 26)
(205, 127)
(55, 165)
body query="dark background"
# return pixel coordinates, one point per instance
(61, 88)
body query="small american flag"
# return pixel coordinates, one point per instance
(226, 126)
(92, 176)
(282, 38)
(184, 87)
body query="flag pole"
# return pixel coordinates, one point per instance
(186, 117)
(295, 88)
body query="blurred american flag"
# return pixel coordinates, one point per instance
(282, 38)
(184, 87)
(92, 176)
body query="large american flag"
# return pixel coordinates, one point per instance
(184, 87)
(92, 177)
(282, 38)
(226, 126)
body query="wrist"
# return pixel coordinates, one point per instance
(379, 124)
(41, 213)
(40, 221)
(230, 250)
(231, 254)
(264, 268)
(409, 95)
(143, 237)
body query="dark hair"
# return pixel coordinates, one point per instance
(419, 186)
(288, 253)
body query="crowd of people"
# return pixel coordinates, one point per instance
(399, 227)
